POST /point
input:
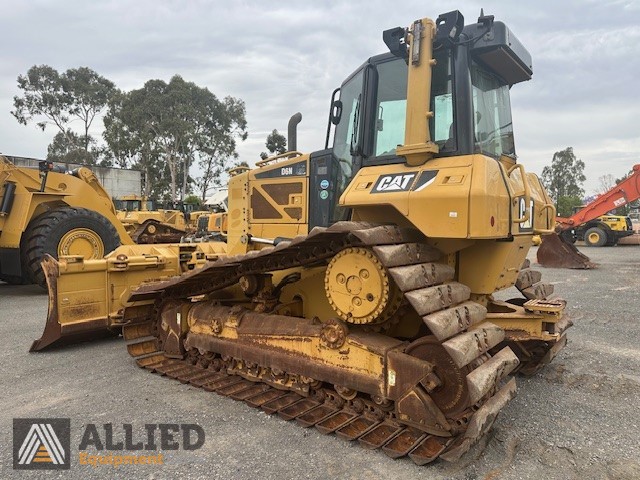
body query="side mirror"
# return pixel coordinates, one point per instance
(336, 111)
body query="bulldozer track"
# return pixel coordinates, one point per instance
(536, 354)
(467, 412)
(162, 233)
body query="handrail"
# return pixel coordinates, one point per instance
(266, 161)
(546, 231)
(527, 192)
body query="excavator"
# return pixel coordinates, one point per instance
(590, 223)
(354, 289)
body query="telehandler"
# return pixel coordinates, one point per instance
(355, 289)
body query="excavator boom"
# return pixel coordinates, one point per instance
(627, 191)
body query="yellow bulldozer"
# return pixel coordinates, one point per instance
(355, 289)
(49, 211)
(147, 224)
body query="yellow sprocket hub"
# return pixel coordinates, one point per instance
(359, 288)
(81, 241)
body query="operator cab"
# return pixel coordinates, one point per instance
(133, 204)
(475, 66)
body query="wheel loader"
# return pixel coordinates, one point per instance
(355, 289)
(51, 211)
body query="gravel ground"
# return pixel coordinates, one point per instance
(577, 419)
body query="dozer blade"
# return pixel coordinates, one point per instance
(86, 296)
(53, 333)
(556, 253)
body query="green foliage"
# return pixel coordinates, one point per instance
(68, 147)
(192, 200)
(56, 99)
(173, 125)
(566, 205)
(43, 96)
(162, 129)
(565, 176)
(88, 95)
(276, 144)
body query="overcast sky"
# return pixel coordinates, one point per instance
(287, 56)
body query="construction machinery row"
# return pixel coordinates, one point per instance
(354, 289)
(52, 211)
(593, 223)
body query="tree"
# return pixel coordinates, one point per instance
(276, 144)
(43, 98)
(88, 94)
(564, 179)
(607, 182)
(68, 148)
(226, 125)
(241, 163)
(192, 200)
(56, 99)
(567, 204)
(123, 143)
(166, 127)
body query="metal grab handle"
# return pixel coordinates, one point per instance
(545, 231)
(527, 191)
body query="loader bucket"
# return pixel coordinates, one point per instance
(556, 253)
(54, 333)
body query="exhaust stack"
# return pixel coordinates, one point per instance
(292, 132)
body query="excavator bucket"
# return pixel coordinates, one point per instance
(556, 253)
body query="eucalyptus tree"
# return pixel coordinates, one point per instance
(172, 125)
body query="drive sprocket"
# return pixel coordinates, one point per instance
(359, 289)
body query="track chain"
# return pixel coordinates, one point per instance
(370, 427)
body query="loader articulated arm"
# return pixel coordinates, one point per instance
(625, 192)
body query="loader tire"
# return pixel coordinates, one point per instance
(595, 237)
(66, 231)
(612, 239)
